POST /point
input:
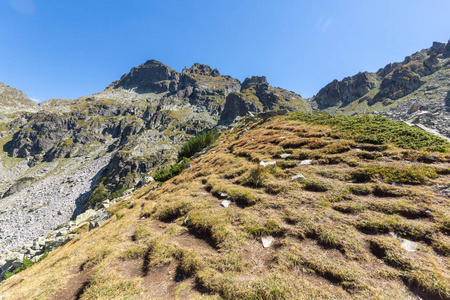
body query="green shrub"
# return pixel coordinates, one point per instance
(26, 263)
(167, 173)
(376, 130)
(99, 194)
(117, 193)
(197, 143)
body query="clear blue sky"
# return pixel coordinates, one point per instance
(67, 49)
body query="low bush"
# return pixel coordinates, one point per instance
(167, 173)
(197, 143)
(376, 130)
(26, 263)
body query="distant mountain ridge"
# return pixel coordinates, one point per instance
(416, 90)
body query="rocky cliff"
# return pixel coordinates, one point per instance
(416, 90)
(114, 140)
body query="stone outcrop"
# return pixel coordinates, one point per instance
(346, 91)
(150, 77)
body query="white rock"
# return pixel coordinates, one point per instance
(306, 162)
(393, 234)
(296, 177)
(267, 164)
(409, 246)
(223, 195)
(267, 241)
(225, 203)
(285, 155)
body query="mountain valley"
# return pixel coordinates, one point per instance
(343, 195)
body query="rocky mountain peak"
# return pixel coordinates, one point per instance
(14, 101)
(151, 76)
(254, 81)
(201, 69)
(13, 97)
(447, 49)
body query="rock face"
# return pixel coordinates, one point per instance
(255, 96)
(346, 91)
(151, 76)
(397, 90)
(70, 155)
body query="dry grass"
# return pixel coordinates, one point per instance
(331, 230)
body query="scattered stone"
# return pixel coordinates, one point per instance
(267, 164)
(296, 177)
(282, 137)
(306, 162)
(267, 241)
(393, 234)
(396, 184)
(223, 195)
(409, 246)
(285, 155)
(187, 166)
(225, 203)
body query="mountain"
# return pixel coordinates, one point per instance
(288, 207)
(71, 155)
(416, 90)
(286, 204)
(13, 102)
(12, 99)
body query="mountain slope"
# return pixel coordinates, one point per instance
(13, 102)
(369, 219)
(113, 140)
(416, 90)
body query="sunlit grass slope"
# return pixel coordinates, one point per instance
(338, 233)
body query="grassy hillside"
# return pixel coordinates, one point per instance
(341, 232)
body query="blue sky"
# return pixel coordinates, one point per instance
(67, 49)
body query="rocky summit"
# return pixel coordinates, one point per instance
(416, 91)
(180, 185)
